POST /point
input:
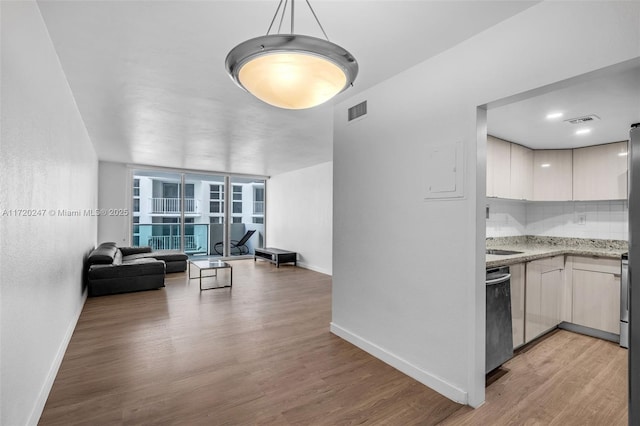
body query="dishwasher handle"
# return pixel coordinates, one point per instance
(498, 280)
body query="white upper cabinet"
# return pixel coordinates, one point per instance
(581, 174)
(521, 173)
(552, 175)
(600, 172)
(498, 167)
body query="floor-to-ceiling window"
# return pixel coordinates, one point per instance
(247, 215)
(157, 210)
(208, 224)
(187, 211)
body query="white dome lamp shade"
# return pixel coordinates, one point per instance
(291, 71)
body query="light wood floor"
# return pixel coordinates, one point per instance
(262, 354)
(564, 379)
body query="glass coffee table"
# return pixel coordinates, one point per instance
(208, 265)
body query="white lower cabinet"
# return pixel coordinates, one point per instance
(544, 288)
(517, 303)
(579, 290)
(596, 293)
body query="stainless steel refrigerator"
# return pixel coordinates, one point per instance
(634, 275)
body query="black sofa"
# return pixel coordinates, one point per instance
(112, 270)
(175, 261)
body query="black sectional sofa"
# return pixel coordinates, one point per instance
(114, 270)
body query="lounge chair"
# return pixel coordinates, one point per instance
(238, 247)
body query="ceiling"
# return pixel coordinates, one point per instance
(149, 79)
(613, 96)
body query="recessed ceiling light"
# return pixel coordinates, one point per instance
(583, 131)
(553, 115)
(545, 165)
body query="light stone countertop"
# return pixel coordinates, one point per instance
(535, 247)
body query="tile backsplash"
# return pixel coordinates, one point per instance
(579, 219)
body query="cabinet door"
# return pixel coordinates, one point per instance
(600, 172)
(543, 297)
(521, 173)
(550, 294)
(517, 303)
(596, 300)
(533, 320)
(498, 167)
(552, 175)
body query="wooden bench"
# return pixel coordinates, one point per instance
(275, 255)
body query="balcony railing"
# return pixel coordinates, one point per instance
(172, 242)
(172, 205)
(199, 238)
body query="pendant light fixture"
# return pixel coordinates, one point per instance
(291, 71)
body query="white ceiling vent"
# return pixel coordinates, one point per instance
(357, 111)
(583, 119)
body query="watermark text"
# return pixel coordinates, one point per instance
(63, 212)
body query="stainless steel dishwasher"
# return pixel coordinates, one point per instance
(499, 337)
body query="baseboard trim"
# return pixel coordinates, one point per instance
(430, 380)
(581, 329)
(38, 407)
(314, 268)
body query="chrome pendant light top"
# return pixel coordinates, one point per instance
(290, 70)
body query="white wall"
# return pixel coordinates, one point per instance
(607, 220)
(47, 164)
(299, 215)
(114, 192)
(507, 218)
(408, 275)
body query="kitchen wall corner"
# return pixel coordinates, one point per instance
(507, 218)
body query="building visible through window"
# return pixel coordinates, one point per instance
(183, 211)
